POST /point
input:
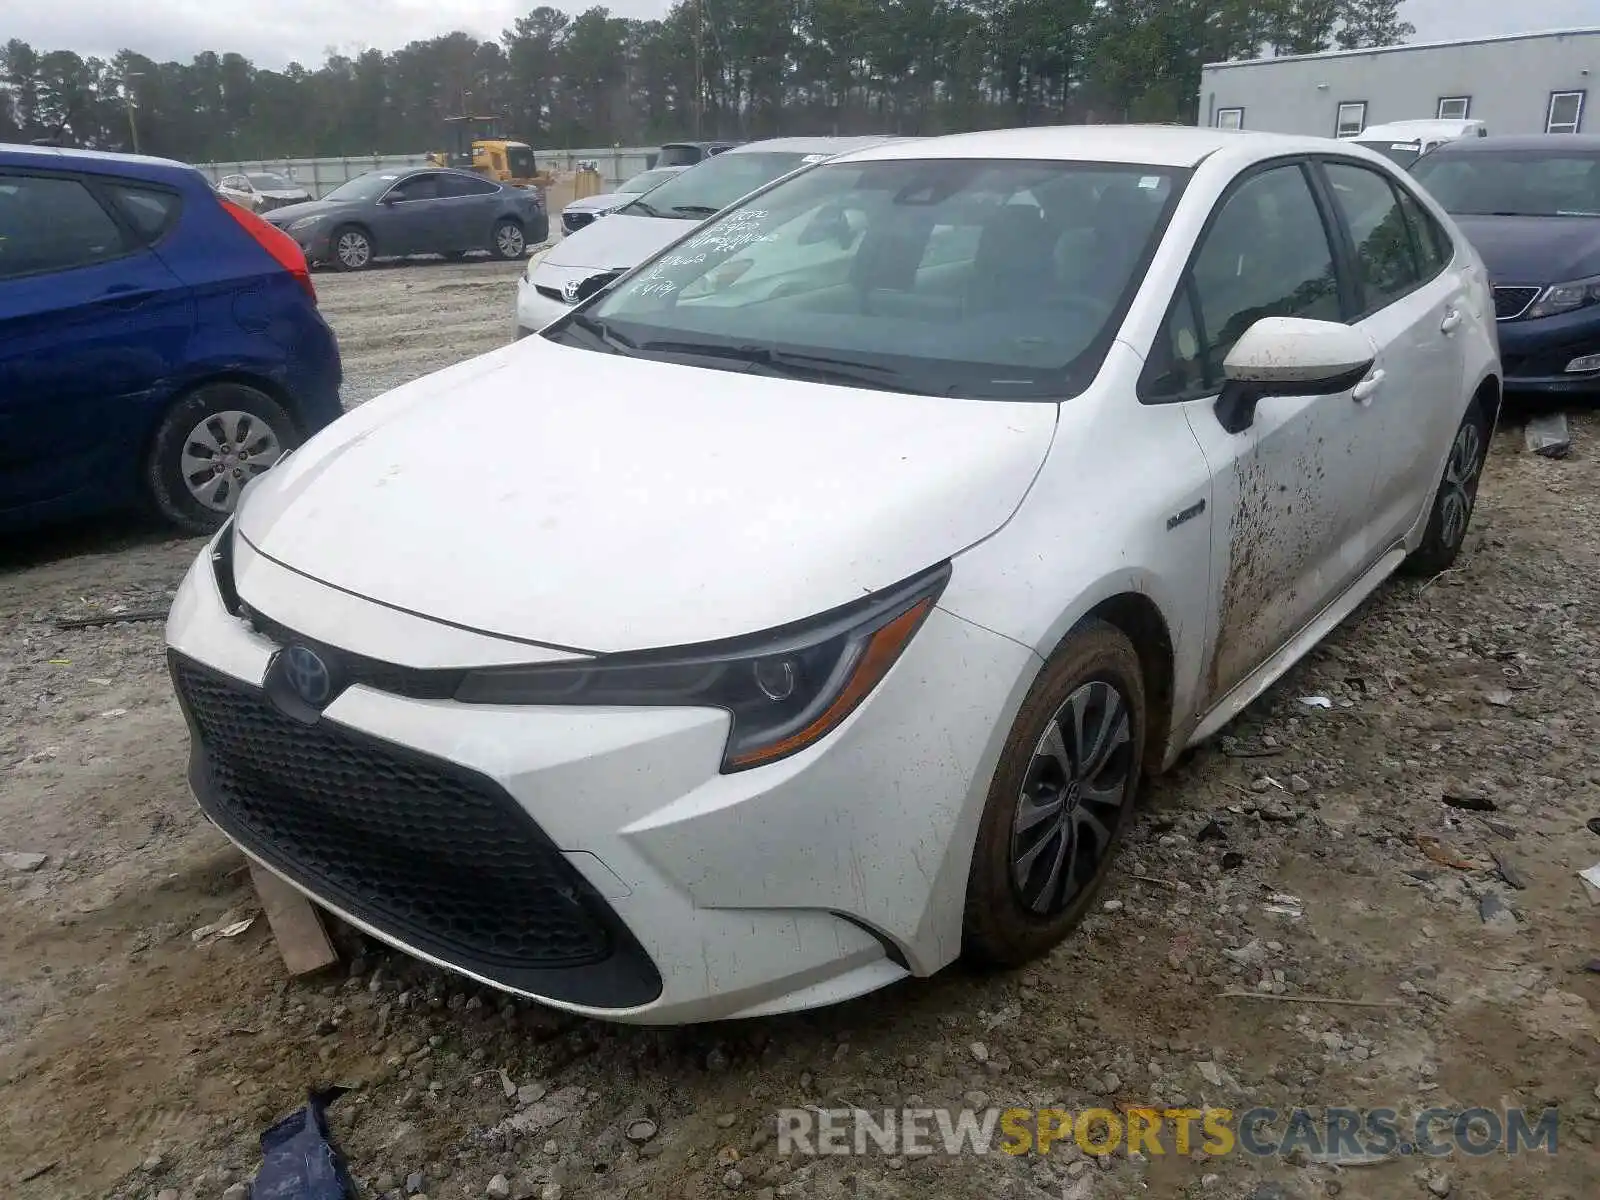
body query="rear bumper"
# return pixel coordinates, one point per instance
(315, 376)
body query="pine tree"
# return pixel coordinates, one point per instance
(1368, 23)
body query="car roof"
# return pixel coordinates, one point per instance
(1555, 143)
(94, 162)
(1156, 145)
(811, 145)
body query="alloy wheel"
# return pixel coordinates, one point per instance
(508, 238)
(1457, 490)
(223, 453)
(1074, 787)
(353, 249)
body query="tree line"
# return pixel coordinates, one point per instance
(713, 68)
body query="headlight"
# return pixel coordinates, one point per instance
(785, 690)
(304, 223)
(1564, 297)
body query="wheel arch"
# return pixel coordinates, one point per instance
(268, 387)
(1489, 397)
(1140, 619)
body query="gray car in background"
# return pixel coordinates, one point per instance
(391, 214)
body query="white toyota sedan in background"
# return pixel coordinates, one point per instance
(779, 625)
(632, 233)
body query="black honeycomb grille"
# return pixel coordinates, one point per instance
(436, 856)
(1511, 302)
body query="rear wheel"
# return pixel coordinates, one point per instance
(508, 241)
(352, 248)
(1060, 799)
(1454, 501)
(208, 446)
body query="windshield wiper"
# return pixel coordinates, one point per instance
(643, 209)
(696, 210)
(790, 364)
(597, 328)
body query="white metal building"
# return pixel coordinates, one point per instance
(1518, 83)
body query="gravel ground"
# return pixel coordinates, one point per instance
(138, 1063)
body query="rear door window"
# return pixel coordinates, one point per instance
(465, 185)
(1431, 241)
(49, 223)
(1385, 257)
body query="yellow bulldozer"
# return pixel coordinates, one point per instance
(479, 144)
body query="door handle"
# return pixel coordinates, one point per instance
(123, 296)
(1451, 322)
(1363, 392)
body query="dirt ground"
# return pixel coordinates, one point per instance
(138, 1063)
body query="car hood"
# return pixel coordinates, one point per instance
(1535, 250)
(286, 194)
(288, 213)
(600, 203)
(604, 503)
(621, 240)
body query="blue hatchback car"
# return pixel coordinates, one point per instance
(158, 344)
(1531, 207)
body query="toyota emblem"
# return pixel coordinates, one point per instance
(307, 674)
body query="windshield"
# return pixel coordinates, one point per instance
(710, 186)
(646, 180)
(1402, 154)
(364, 187)
(1514, 183)
(268, 182)
(944, 277)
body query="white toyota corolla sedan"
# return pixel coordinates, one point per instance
(781, 623)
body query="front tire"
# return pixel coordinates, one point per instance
(1455, 498)
(208, 446)
(352, 248)
(508, 242)
(1060, 799)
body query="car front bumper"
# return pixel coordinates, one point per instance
(315, 243)
(597, 859)
(1536, 354)
(537, 308)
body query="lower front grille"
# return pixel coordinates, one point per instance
(438, 857)
(1512, 302)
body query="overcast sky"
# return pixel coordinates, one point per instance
(272, 32)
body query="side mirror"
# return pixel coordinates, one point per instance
(1289, 356)
(592, 285)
